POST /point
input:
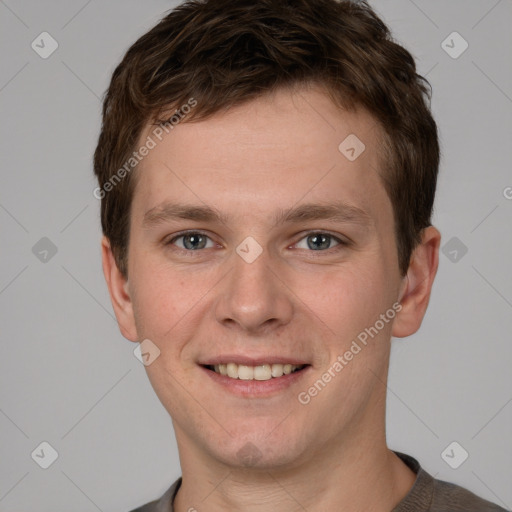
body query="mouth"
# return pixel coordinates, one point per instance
(261, 372)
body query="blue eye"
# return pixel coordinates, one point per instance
(320, 241)
(192, 241)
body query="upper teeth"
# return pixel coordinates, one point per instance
(261, 372)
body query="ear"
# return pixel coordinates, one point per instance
(417, 284)
(119, 292)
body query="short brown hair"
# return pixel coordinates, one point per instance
(226, 52)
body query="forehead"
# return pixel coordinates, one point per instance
(267, 154)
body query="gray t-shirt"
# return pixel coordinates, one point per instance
(426, 495)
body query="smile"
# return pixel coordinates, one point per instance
(259, 372)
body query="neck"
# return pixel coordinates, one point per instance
(361, 475)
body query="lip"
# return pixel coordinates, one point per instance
(256, 388)
(252, 361)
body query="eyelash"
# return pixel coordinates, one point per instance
(341, 243)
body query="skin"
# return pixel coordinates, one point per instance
(273, 153)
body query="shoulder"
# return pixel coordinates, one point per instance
(448, 496)
(431, 495)
(164, 504)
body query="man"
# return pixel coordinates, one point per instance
(267, 173)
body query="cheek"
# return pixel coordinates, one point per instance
(169, 303)
(347, 298)
(160, 299)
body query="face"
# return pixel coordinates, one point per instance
(255, 244)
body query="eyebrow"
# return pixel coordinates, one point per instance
(337, 212)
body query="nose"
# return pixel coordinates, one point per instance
(253, 296)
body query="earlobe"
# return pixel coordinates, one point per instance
(119, 292)
(416, 286)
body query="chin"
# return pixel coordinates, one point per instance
(258, 452)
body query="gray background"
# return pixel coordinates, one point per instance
(69, 378)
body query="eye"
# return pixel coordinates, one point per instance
(191, 241)
(319, 241)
